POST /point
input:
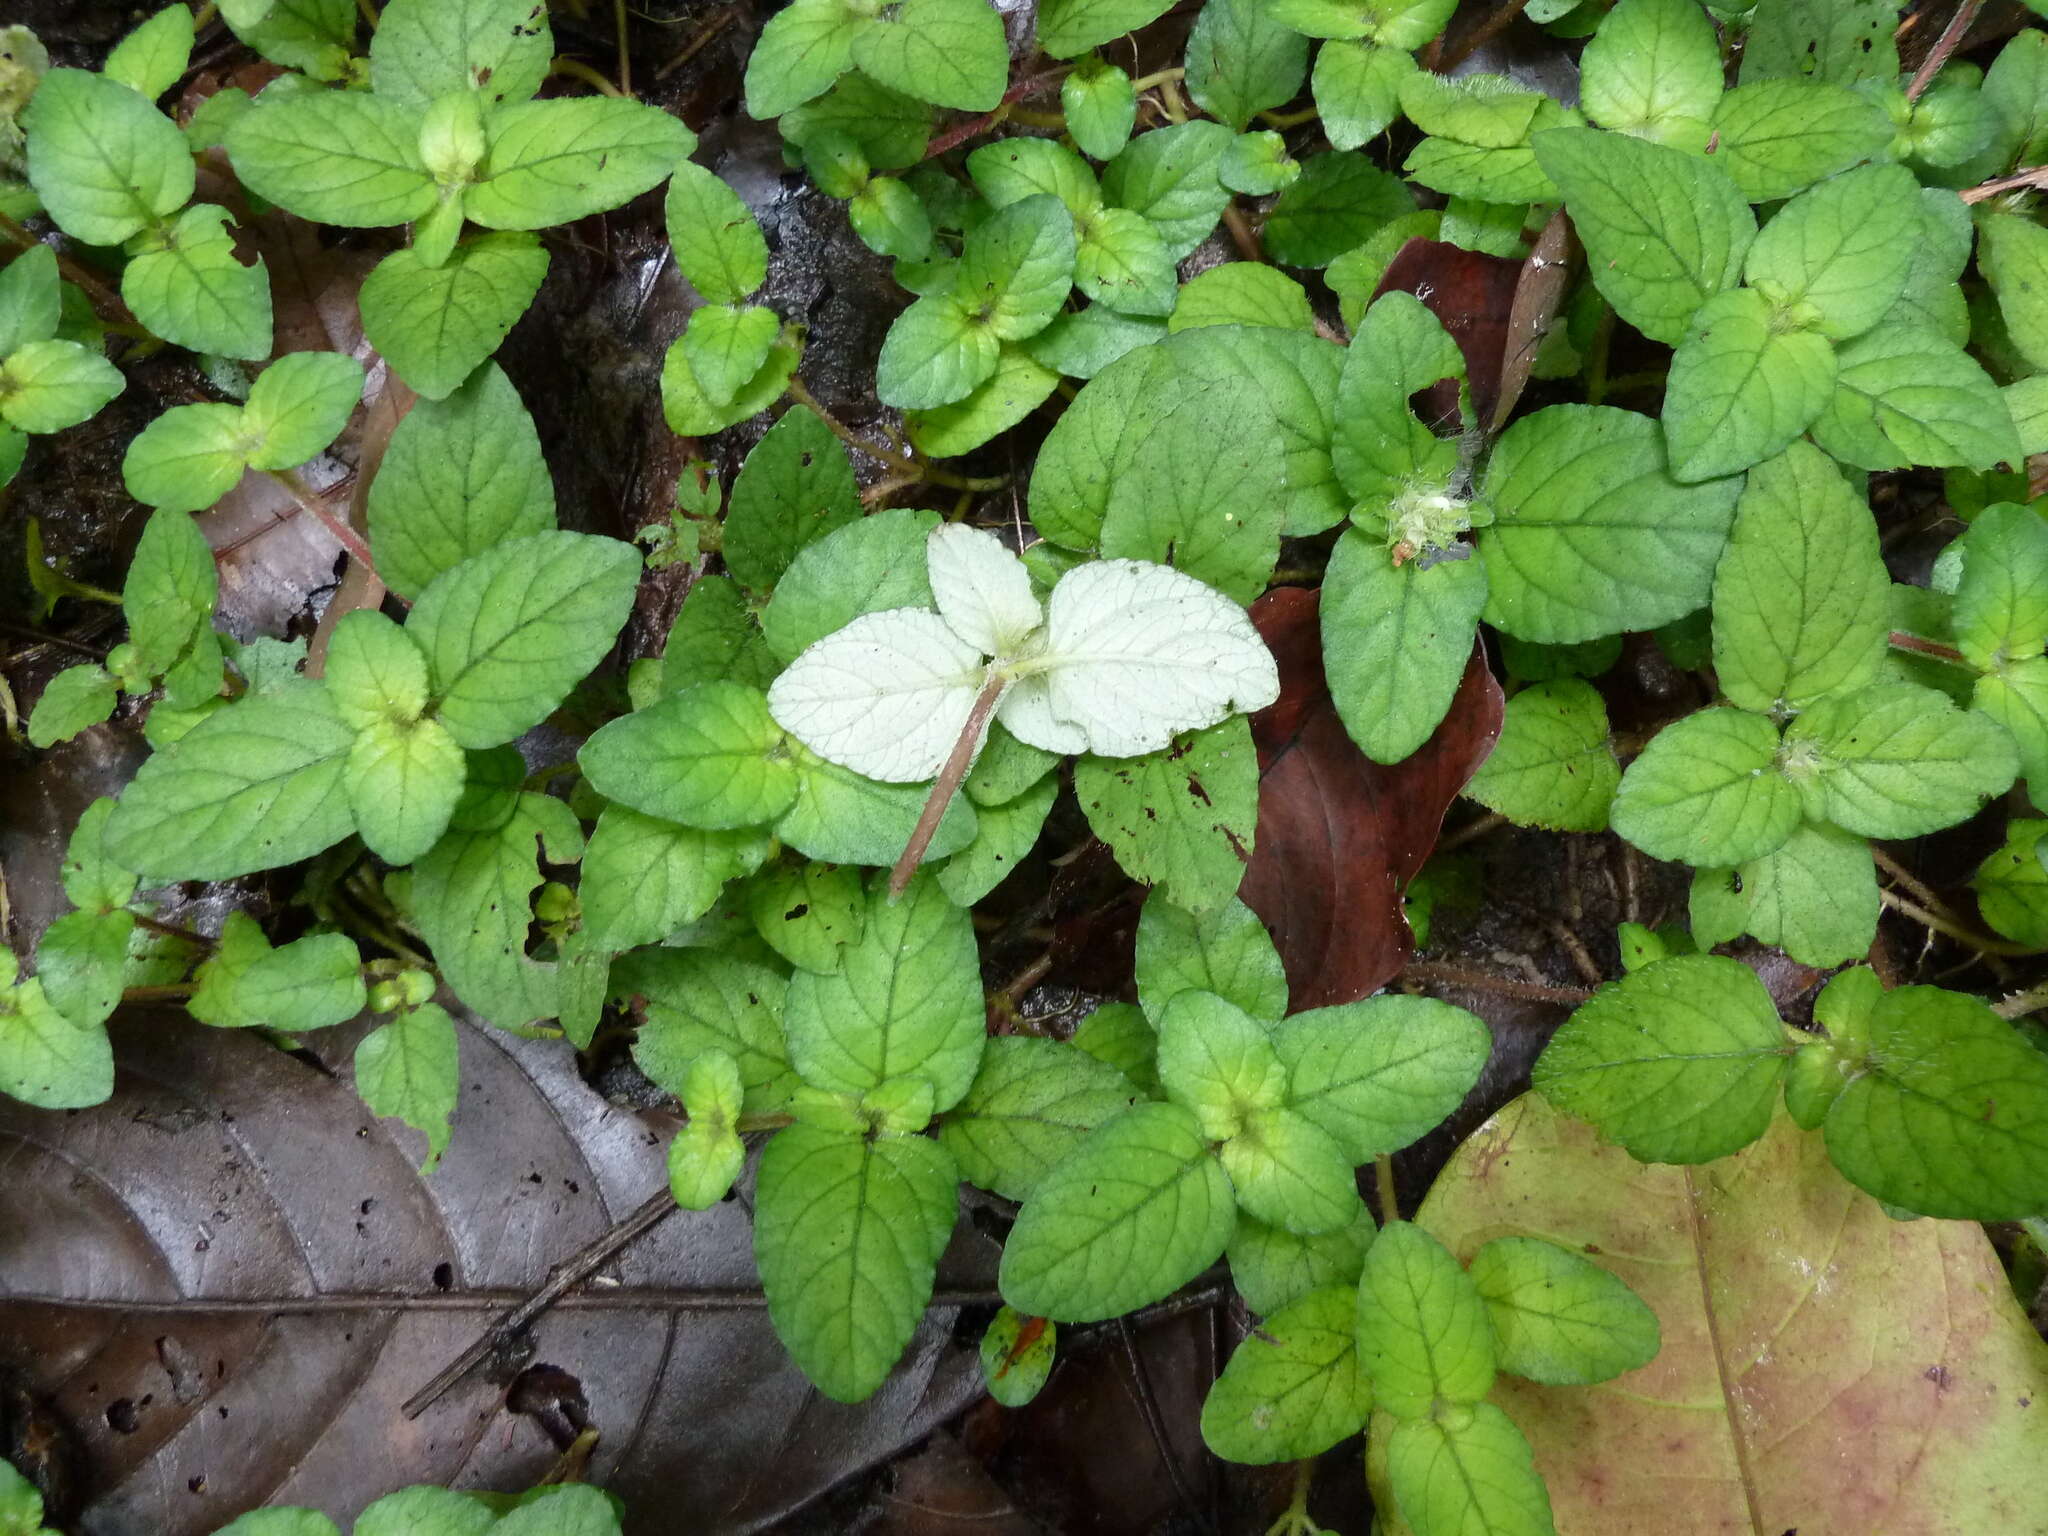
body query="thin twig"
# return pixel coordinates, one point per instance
(2032, 176)
(1901, 641)
(1430, 973)
(1983, 943)
(1472, 831)
(573, 1270)
(1944, 47)
(697, 44)
(312, 501)
(2020, 1004)
(1482, 34)
(173, 931)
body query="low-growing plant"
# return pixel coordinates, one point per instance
(1823, 272)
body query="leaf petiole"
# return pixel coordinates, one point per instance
(951, 775)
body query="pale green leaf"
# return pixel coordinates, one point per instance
(951, 53)
(334, 157)
(1293, 1388)
(1017, 1355)
(717, 244)
(1777, 137)
(1169, 176)
(187, 286)
(1100, 107)
(1814, 896)
(1840, 250)
(1559, 1318)
(105, 163)
(1742, 386)
(2012, 885)
(435, 324)
(795, 487)
(1226, 952)
(408, 1069)
(404, 778)
(1897, 760)
(550, 162)
(49, 1061)
(697, 1001)
(1068, 27)
(1242, 293)
(1910, 396)
(799, 53)
(1287, 1171)
(1018, 387)
(186, 459)
(30, 298)
(1707, 790)
(1423, 1334)
(1839, 41)
(1678, 1062)
(47, 386)
(847, 1233)
(79, 961)
(1378, 1074)
(1240, 61)
(708, 756)
(1004, 835)
(707, 1155)
(71, 701)
(1358, 90)
(1653, 70)
(1031, 1104)
(726, 347)
(421, 52)
(839, 817)
(1162, 832)
(1219, 1063)
(170, 591)
(936, 353)
(1273, 1268)
(1396, 640)
(1554, 763)
(1339, 199)
(299, 405)
(1467, 1470)
(155, 54)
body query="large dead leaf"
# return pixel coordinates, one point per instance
(1340, 836)
(1825, 1369)
(227, 1279)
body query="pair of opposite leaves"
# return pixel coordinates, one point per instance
(1122, 657)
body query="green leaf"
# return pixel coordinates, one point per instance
(375, 672)
(407, 1069)
(307, 984)
(1081, 343)
(715, 639)
(1945, 1111)
(316, 36)
(436, 324)
(1226, 952)
(1664, 231)
(1396, 639)
(841, 818)
(1558, 1318)
(46, 1059)
(1653, 70)
(30, 298)
(1017, 268)
(1802, 597)
(1004, 834)
(462, 476)
(1897, 760)
(79, 960)
(1120, 1034)
(1031, 1104)
(1554, 763)
(186, 459)
(1841, 41)
(509, 632)
(186, 285)
(1293, 1388)
(334, 157)
(890, 129)
(726, 347)
(170, 591)
(805, 912)
(21, 1506)
(281, 1522)
(1381, 452)
(1019, 386)
(1742, 386)
(1358, 90)
(1910, 396)
(299, 405)
(1707, 790)
(550, 162)
(500, 49)
(1391, 23)
(1814, 896)
(905, 999)
(1288, 1172)
(71, 701)
(2001, 603)
(869, 566)
(1840, 251)
(800, 52)
(1677, 1062)
(253, 786)
(2012, 885)
(644, 878)
(1068, 27)
(890, 219)
(1591, 535)
(1240, 61)
(1100, 107)
(951, 53)
(1181, 819)
(1778, 137)
(152, 57)
(1378, 1074)
(1272, 1268)
(1121, 261)
(1468, 1469)
(1423, 1334)
(426, 1511)
(404, 778)
(708, 756)
(570, 1511)
(717, 244)
(1242, 293)
(1219, 1062)
(473, 892)
(936, 353)
(1141, 1208)
(692, 413)
(847, 1233)
(1169, 176)
(105, 163)
(795, 487)
(698, 1001)
(1339, 199)
(707, 1155)
(1017, 1354)
(47, 386)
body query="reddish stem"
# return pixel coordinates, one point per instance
(947, 784)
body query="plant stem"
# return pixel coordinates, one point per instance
(1481, 35)
(1944, 47)
(914, 469)
(2033, 176)
(176, 992)
(1242, 235)
(576, 69)
(1983, 944)
(173, 931)
(312, 501)
(1901, 641)
(625, 49)
(947, 784)
(1023, 90)
(1158, 77)
(1383, 1186)
(2020, 1004)
(1428, 971)
(696, 44)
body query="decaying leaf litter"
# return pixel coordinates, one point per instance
(325, 1272)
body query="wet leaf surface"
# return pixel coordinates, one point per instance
(1339, 836)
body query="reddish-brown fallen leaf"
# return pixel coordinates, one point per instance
(1824, 1368)
(1339, 835)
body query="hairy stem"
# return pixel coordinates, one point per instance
(947, 784)
(1944, 47)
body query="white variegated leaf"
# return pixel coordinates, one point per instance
(1026, 711)
(983, 591)
(1136, 653)
(886, 696)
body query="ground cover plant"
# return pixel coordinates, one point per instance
(1006, 815)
